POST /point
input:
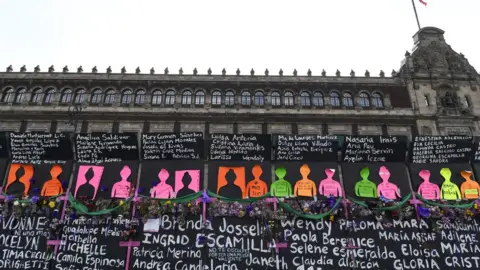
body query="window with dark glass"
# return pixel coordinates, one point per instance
(157, 97)
(66, 97)
(276, 99)
(110, 97)
(335, 99)
(96, 96)
(49, 96)
(199, 98)
(288, 99)
(216, 98)
(140, 97)
(127, 97)
(20, 95)
(305, 99)
(364, 100)
(426, 100)
(259, 99)
(8, 95)
(377, 100)
(170, 97)
(36, 96)
(186, 97)
(347, 100)
(246, 98)
(80, 96)
(318, 99)
(230, 98)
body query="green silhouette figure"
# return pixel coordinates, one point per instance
(365, 188)
(450, 190)
(281, 187)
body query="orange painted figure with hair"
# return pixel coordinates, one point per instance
(256, 187)
(53, 186)
(470, 189)
(305, 187)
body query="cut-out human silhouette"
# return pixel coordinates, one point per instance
(122, 188)
(365, 188)
(53, 186)
(87, 189)
(256, 187)
(470, 188)
(305, 187)
(230, 189)
(328, 186)
(281, 187)
(386, 189)
(428, 190)
(17, 188)
(450, 190)
(186, 190)
(163, 190)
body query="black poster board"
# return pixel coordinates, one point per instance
(374, 149)
(429, 180)
(171, 245)
(92, 244)
(36, 147)
(238, 243)
(308, 179)
(307, 148)
(476, 150)
(240, 147)
(371, 181)
(239, 179)
(24, 243)
(42, 180)
(440, 149)
(4, 149)
(172, 146)
(115, 180)
(100, 147)
(171, 179)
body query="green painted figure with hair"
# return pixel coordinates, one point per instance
(365, 188)
(281, 187)
(449, 190)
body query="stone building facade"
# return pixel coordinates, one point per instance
(434, 92)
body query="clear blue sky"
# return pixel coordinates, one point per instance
(273, 34)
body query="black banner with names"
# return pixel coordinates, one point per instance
(99, 147)
(476, 150)
(240, 147)
(440, 149)
(372, 149)
(308, 148)
(172, 146)
(36, 147)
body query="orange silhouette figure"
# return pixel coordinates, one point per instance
(305, 187)
(18, 181)
(470, 189)
(53, 186)
(256, 187)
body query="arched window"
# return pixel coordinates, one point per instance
(364, 100)
(140, 97)
(67, 96)
(246, 98)
(170, 97)
(305, 99)
(318, 99)
(258, 99)
(200, 98)
(288, 99)
(377, 100)
(8, 95)
(276, 100)
(216, 98)
(36, 96)
(20, 95)
(334, 99)
(126, 97)
(157, 97)
(80, 96)
(347, 100)
(230, 98)
(49, 96)
(96, 97)
(187, 97)
(110, 97)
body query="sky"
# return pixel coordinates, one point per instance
(217, 34)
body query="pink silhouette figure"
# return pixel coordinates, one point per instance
(163, 190)
(122, 188)
(88, 180)
(386, 189)
(328, 186)
(427, 190)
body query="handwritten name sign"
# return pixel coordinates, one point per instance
(305, 148)
(240, 147)
(441, 149)
(37, 147)
(95, 148)
(374, 149)
(4, 153)
(172, 146)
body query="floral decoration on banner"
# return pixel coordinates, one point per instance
(109, 207)
(152, 208)
(32, 206)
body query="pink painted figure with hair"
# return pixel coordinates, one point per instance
(386, 189)
(328, 186)
(163, 190)
(122, 188)
(427, 190)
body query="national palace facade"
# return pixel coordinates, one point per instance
(435, 91)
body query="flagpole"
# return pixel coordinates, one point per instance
(416, 14)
